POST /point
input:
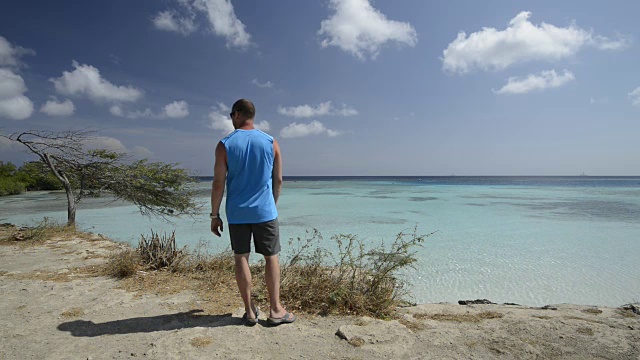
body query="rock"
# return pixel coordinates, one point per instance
(634, 308)
(474, 302)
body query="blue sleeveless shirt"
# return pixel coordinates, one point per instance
(249, 175)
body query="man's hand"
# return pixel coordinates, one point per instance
(216, 226)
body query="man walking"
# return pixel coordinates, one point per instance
(250, 162)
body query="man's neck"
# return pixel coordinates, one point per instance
(248, 125)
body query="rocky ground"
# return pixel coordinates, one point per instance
(56, 305)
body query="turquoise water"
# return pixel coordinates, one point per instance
(532, 241)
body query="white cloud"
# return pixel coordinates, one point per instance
(268, 84)
(262, 125)
(546, 79)
(224, 22)
(304, 111)
(174, 110)
(170, 21)
(10, 55)
(521, 41)
(13, 104)
(141, 152)
(55, 108)
(345, 111)
(315, 127)
(177, 109)
(333, 133)
(325, 108)
(105, 142)
(358, 28)
(86, 80)
(635, 96)
(11, 84)
(220, 15)
(223, 107)
(602, 100)
(220, 120)
(116, 110)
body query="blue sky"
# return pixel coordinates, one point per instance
(348, 87)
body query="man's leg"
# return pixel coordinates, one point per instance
(272, 275)
(243, 278)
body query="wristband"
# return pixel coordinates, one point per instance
(214, 216)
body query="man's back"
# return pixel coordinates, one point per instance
(250, 157)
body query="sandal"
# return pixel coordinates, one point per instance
(251, 322)
(288, 318)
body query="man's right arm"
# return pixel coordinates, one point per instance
(276, 176)
(217, 188)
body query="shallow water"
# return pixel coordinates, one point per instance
(532, 241)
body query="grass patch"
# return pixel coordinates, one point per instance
(585, 331)
(594, 311)
(356, 341)
(72, 313)
(626, 313)
(40, 231)
(474, 318)
(59, 276)
(543, 317)
(583, 319)
(201, 342)
(412, 325)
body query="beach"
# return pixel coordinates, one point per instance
(56, 305)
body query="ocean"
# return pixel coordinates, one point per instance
(527, 240)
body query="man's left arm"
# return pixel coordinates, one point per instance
(217, 188)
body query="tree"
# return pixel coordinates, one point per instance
(37, 176)
(158, 189)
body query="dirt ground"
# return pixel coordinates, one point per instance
(55, 305)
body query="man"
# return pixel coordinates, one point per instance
(250, 162)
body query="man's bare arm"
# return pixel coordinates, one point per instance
(217, 187)
(276, 176)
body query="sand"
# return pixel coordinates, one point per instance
(56, 306)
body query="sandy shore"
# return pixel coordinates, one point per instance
(54, 306)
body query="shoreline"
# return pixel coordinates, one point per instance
(54, 306)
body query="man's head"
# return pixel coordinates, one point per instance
(241, 112)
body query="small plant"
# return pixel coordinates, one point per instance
(160, 252)
(353, 281)
(122, 264)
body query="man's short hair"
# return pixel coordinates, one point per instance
(246, 107)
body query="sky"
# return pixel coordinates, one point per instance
(347, 87)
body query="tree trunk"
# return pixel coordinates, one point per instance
(71, 206)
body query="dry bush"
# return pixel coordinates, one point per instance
(354, 281)
(160, 252)
(122, 264)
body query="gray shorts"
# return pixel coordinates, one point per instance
(266, 237)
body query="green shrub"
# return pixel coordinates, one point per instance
(10, 186)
